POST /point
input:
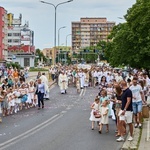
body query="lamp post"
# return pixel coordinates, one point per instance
(66, 39)
(66, 46)
(59, 31)
(58, 39)
(55, 6)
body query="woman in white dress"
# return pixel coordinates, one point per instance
(95, 110)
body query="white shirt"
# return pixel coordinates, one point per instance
(136, 93)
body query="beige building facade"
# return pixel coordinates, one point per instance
(89, 31)
(50, 54)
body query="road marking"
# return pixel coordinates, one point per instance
(84, 91)
(30, 132)
(81, 92)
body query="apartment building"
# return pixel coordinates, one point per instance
(3, 33)
(20, 41)
(89, 31)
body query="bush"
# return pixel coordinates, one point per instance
(32, 69)
(14, 65)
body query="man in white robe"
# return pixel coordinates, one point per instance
(45, 81)
(82, 78)
(63, 82)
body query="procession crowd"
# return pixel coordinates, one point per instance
(121, 94)
(16, 93)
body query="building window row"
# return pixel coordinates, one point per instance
(13, 34)
(13, 41)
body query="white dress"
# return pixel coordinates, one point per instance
(96, 107)
(29, 97)
(17, 94)
(11, 99)
(104, 119)
(31, 92)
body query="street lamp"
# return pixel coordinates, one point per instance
(58, 39)
(59, 31)
(66, 46)
(66, 39)
(55, 6)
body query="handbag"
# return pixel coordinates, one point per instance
(97, 114)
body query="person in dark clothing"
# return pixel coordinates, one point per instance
(126, 112)
(40, 91)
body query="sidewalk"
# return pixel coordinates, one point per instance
(145, 137)
(139, 143)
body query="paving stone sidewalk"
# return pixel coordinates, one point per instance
(141, 139)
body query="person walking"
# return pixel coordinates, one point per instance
(125, 114)
(104, 116)
(138, 97)
(46, 83)
(63, 82)
(40, 91)
(95, 111)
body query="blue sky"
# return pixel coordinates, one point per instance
(41, 16)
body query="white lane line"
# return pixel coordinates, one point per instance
(81, 92)
(84, 91)
(30, 132)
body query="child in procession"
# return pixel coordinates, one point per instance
(104, 117)
(95, 111)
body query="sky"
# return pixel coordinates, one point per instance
(41, 16)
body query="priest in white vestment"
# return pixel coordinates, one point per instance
(63, 82)
(45, 81)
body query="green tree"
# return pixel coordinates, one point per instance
(131, 40)
(40, 56)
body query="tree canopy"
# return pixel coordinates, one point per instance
(130, 41)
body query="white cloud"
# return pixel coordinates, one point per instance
(41, 16)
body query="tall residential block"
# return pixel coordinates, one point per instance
(3, 33)
(89, 31)
(20, 41)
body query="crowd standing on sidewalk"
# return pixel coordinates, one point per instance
(17, 93)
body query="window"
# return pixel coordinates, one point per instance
(16, 40)
(16, 34)
(9, 41)
(9, 34)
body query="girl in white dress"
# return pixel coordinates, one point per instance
(78, 85)
(28, 102)
(31, 92)
(95, 109)
(17, 99)
(104, 116)
(11, 101)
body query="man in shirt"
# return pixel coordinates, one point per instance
(126, 113)
(138, 97)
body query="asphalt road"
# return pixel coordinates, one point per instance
(62, 125)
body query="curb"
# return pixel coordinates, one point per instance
(139, 138)
(132, 145)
